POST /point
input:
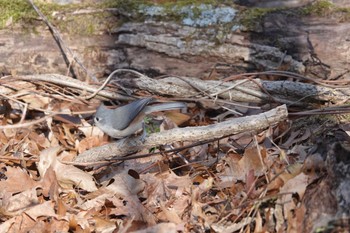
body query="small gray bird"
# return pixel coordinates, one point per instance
(128, 119)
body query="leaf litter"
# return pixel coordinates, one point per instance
(220, 187)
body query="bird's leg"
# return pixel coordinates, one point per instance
(144, 132)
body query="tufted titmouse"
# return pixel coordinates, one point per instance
(128, 119)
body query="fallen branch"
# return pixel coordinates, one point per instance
(251, 90)
(254, 91)
(66, 81)
(237, 125)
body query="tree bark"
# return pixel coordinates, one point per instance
(286, 38)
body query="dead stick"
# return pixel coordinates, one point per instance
(131, 145)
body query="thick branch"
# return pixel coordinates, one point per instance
(238, 125)
(246, 90)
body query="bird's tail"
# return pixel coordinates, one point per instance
(164, 107)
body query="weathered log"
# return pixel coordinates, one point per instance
(130, 145)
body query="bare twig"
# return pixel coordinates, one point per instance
(27, 124)
(109, 79)
(61, 43)
(343, 84)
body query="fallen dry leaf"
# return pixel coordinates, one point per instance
(120, 185)
(87, 143)
(35, 100)
(170, 214)
(19, 223)
(164, 185)
(67, 175)
(227, 227)
(249, 162)
(132, 207)
(18, 203)
(17, 180)
(89, 130)
(160, 228)
(296, 185)
(125, 184)
(104, 225)
(219, 190)
(45, 209)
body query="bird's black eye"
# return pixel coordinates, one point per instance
(97, 119)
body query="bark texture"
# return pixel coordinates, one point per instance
(292, 38)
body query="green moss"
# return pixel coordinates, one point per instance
(133, 5)
(123, 5)
(343, 9)
(182, 3)
(17, 12)
(20, 11)
(14, 10)
(327, 8)
(320, 8)
(251, 16)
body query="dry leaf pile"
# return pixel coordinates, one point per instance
(244, 183)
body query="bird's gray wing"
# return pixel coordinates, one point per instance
(123, 116)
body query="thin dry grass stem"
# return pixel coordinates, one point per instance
(72, 97)
(190, 164)
(30, 92)
(27, 124)
(104, 84)
(224, 218)
(264, 95)
(229, 88)
(197, 89)
(328, 110)
(67, 82)
(179, 154)
(255, 208)
(220, 101)
(263, 89)
(155, 164)
(70, 65)
(24, 113)
(262, 197)
(244, 90)
(281, 60)
(260, 157)
(87, 164)
(273, 143)
(257, 202)
(126, 226)
(7, 158)
(25, 107)
(344, 84)
(13, 99)
(214, 96)
(240, 215)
